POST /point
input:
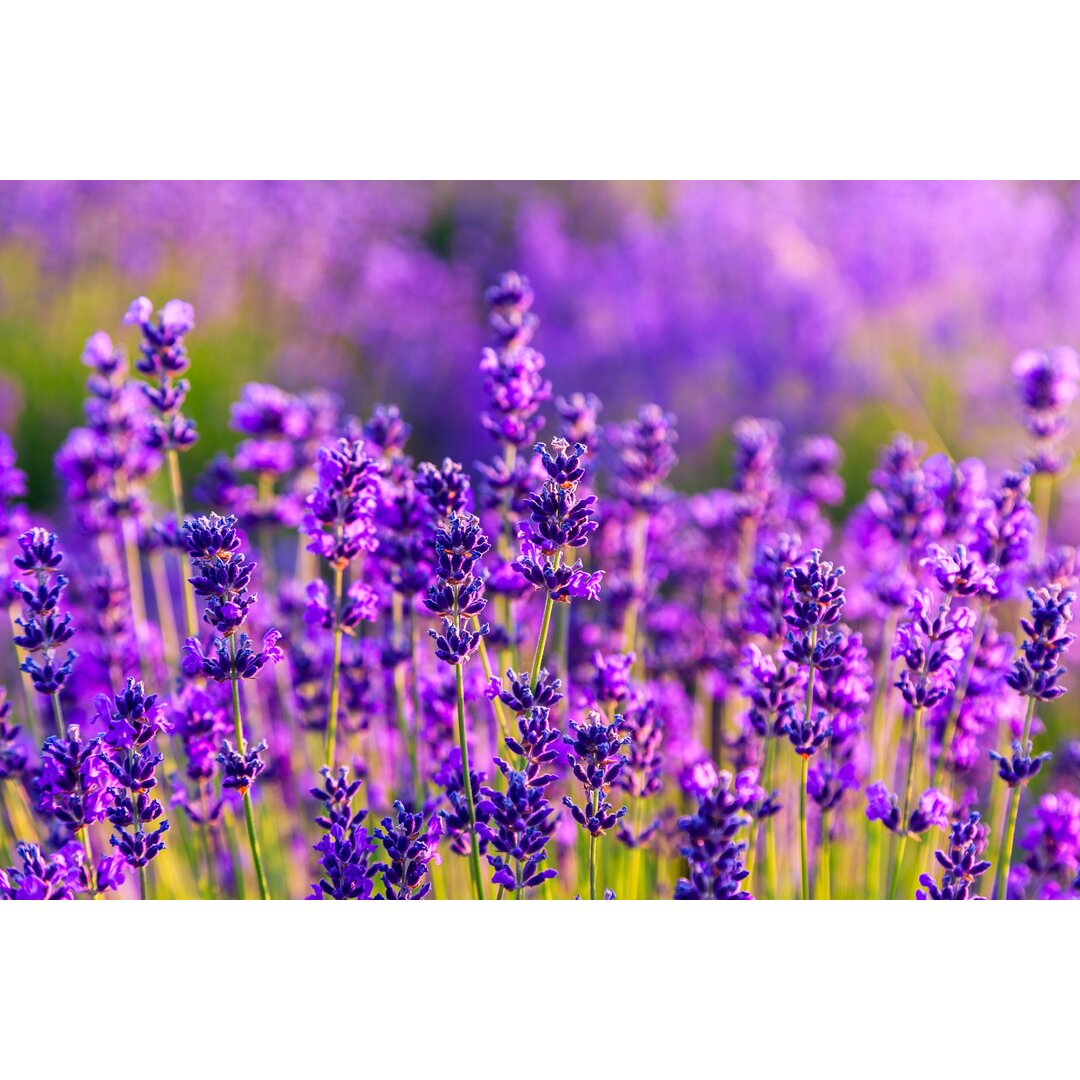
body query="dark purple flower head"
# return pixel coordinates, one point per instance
(518, 829)
(73, 783)
(562, 581)
(713, 853)
(344, 855)
(517, 693)
(961, 864)
(410, 846)
(1020, 766)
(163, 357)
(239, 769)
(336, 796)
(132, 718)
(1036, 672)
(536, 744)
(597, 760)
(341, 509)
(931, 643)
(446, 487)
(222, 664)
(806, 734)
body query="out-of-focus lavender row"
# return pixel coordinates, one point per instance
(846, 306)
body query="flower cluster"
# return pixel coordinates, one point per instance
(711, 847)
(410, 846)
(458, 593)
(223, 576)
(961, 865)
(163, 359)
(43, 628)
(597, 760)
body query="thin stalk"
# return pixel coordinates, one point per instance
(825, 871)
(808, 711)
(1001, 886)
(204, 832)
(176, 487)
(901, 843)
(545, 625)
(592, 866)
(489, 674)
(249, 812)
(466, 779)
(335, 670)
(805, 894)
(768, 856)
(58, 714)
(84, 833)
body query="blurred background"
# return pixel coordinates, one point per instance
(853, 308)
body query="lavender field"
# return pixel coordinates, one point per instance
(511, 541)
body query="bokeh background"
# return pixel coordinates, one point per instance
(854, 308)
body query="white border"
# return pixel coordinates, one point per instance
(568, 88)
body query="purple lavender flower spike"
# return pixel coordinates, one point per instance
(518, 829)
(713, 854)
(961, 865)
(410, 846)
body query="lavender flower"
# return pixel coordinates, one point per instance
(1048, 382)
(518, 829)
(410, 847)
(714, 855)
(163, 360)
(961, 863)
(43, 627)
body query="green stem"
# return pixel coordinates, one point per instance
(807, 713)
(1009, 834)
(335, 671)
(825, 872)
(541, 642)
(901, 844)
(466, 780)
(805, 894)
(58, 715)
(249, 812)
(85, 835)
(592, 866)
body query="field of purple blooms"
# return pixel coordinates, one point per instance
(317, 666)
